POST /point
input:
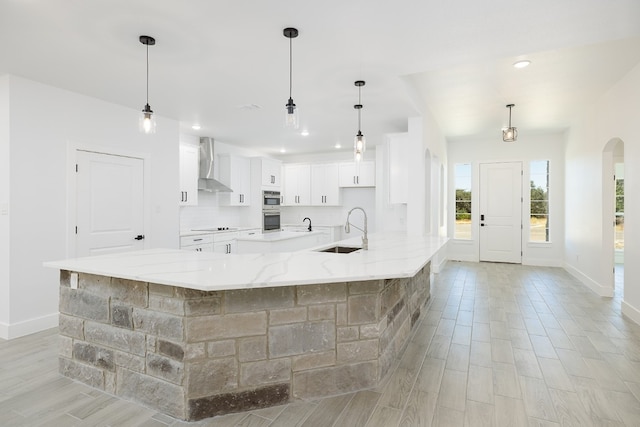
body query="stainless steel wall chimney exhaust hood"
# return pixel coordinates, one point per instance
(206, 181)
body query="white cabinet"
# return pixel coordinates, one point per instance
(249, 232)
(268, 171)
(297, 185)
(325, 188)
(197, 242)
(235, 171)
(225, 243)
(354, 175)
(398, 170)
(189, 175)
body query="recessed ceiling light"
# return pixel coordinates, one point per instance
(337, 145)
(282, 150)
(522, 64)
(304, 133)
(195, 127)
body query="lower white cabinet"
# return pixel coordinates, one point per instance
(197, 242)
(354, 175)
(225, 243)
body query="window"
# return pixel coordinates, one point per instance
(539, 211)
(462, 228)
(619, 244)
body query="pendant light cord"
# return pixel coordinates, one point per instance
(290, 65)
(147, 74)
(359, 109)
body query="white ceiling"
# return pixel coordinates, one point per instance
(212, 57)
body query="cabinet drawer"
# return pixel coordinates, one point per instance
(197, 239)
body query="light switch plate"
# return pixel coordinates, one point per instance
(73, 281)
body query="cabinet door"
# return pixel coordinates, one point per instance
(325, 189)
(271, 173)
(189, 175)
(297, 185)
(235, 171)
(353, 175)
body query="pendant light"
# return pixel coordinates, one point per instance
(291, 113)
(147, 119)
(510, 134)
(359, 142)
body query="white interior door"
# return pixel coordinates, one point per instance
(501, 212)
(109, 203)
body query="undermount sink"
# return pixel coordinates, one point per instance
(340, 249)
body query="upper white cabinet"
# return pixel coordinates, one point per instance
(189, 174)
(354, 175)
(235, 171)
(325, 188)
(269, 171)
(398, 171)
(297, 185)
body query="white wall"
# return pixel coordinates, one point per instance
(5, 169)
(613, 116)
(426, 142)
(46, 123)
(528, 147)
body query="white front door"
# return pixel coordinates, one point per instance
(501, 212)
(109, 203)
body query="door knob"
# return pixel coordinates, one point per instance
(139, 237)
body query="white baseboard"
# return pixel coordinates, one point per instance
(631, 312)
(603, 291)
(438, 265)
(27, 327)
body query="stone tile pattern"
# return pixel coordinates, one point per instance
(193, 354)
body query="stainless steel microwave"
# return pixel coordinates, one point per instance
(270, 200)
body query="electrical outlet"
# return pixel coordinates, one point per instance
(73, 281)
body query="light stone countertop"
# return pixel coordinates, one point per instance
(277, 236)
(390, 255)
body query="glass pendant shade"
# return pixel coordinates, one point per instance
(147, 120)
(510, 134)
(359, 146)
(291, 119)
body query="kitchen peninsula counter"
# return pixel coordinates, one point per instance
(194, 335)
(390, 255)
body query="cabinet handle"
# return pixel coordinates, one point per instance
(357, 179)
(197, 240)
(186, 196)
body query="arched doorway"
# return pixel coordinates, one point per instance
(613, 214)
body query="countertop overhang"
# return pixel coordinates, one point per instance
(390, 255)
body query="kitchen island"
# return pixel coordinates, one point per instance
(196, 334)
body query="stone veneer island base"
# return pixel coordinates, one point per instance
(195, 354)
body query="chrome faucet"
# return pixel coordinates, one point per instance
(307, 218)
(347, 228)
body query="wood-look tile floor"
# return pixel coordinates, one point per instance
(500, 345)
